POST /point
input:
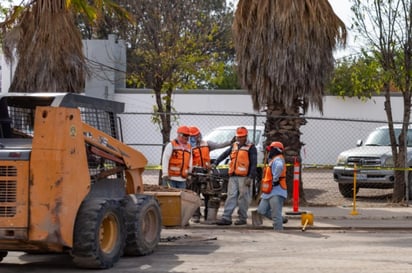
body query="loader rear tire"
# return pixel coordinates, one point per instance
(3, 254)
(99, 234)
(143, 224)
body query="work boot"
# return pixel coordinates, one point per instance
(223, 222)
(257, 219)
(240, 222)
(196, 219)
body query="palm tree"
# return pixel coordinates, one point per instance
(284, 51)
(48, 45)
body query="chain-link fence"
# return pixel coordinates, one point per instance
(324, 139)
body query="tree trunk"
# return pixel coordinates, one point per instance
(163, 118)
(284, 125)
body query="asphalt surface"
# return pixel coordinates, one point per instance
(339, 240)
(332, 218)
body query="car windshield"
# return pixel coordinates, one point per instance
(223, 135)
(380, 137)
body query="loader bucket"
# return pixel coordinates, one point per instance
(177, 207)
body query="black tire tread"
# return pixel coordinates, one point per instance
(346, 190)
(86, 250)
(3, 254)
(137, 207)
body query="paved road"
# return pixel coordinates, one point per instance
(250, 250)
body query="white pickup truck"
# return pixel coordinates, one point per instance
(374, 163)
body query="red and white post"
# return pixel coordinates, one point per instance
(296, 174)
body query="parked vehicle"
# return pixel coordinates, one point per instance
(226, 133)
(374, 163)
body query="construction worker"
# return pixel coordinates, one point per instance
(201, 148)
(242, 172)
(271, 204)
(201, 162)
(177, 160)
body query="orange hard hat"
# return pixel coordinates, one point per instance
(277, 144)
(183, 130)
(241, 132)
(194, 131)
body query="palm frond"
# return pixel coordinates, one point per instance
(284, 49)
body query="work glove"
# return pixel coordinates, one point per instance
(213, 166)
(248, 181)
(233, 140)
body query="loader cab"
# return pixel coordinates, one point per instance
(17, 112)
(17, 115)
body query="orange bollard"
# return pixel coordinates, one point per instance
(295, 197)
(296, 186)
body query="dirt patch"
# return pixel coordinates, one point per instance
(159, 188)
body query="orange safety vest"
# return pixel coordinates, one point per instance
(180, 159)
(201, 155)
(239, 160)
(267, 175)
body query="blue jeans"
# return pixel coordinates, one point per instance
(174, 184)
(272, 209)
(238, 194)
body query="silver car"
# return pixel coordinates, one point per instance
(373, 160)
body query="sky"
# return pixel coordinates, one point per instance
(342, 10)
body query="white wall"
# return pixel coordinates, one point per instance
(7, 70)
(324, 138)
(107, 60)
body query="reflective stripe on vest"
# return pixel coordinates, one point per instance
(239, 160)
(179, 161)
(201, 155)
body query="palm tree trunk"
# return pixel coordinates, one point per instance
(283, 124)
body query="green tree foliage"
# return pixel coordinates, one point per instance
(360, 77)
(176, 45)
(229, 80)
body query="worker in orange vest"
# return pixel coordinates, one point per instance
(271, 203)
(177, 160)
(201, 162)
(242, 172)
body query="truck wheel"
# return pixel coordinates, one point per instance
(99, 234)
(143, 224)
(3, 254)
(347, 190)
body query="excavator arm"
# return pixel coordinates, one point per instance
(105, 146)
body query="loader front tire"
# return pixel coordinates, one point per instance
(143, 224)
(99, 234)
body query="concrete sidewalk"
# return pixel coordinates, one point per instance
(332, 218)
(359, 218)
